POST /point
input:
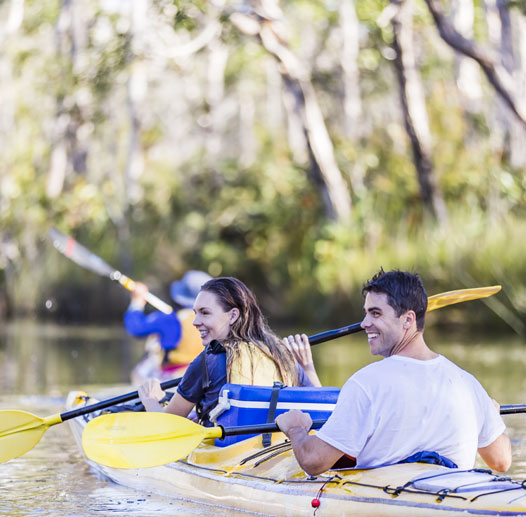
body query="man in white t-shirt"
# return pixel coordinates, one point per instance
(412, 401)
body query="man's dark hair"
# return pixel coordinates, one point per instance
(405, 292)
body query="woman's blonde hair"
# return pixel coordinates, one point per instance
(250, 327)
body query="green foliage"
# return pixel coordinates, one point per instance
(254, 214)
(518, 4)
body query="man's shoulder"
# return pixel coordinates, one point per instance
(375, 366)
(368, 372)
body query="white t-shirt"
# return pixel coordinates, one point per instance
(399, 406)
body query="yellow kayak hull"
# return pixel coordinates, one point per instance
(246, 477)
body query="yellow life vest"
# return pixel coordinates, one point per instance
(190, 345)
(254, 367)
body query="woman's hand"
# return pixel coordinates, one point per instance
(300, 347)
(150, 393)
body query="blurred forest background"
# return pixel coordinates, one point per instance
(298, 145)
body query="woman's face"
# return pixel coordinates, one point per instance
(211, 320)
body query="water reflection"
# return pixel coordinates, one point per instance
(51, 359)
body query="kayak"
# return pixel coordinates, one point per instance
(248, 477)
(152, 365)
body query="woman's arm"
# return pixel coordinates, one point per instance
(150, 393)
(300, 347)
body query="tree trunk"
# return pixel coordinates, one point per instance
(467, 71)
(136, 92)
(507, 36)
(247, 142)
(517, 130)
(352, 106)
(215, 95)
(296, 78)
(496, 74)
(414, 109)
(68, 153)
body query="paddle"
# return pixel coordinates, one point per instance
(139, 440)
(119, 440)
(437, 301)
(85, 258)
(20, 431)
(511, 409)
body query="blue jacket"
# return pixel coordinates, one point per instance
(167, 326)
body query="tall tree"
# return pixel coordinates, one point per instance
(467, 71)
(506, 37)
(496, 74)
(350, 29)
(414, 108)
(264, 22)
(68, 153)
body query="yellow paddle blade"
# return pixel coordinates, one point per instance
(137, 440)
(20, 431)
(461, 295)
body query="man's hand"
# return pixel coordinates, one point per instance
(138, 295)
(294, 419)
(314, 455)
(496, 404)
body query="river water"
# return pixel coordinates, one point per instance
(40, 363)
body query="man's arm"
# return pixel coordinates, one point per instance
(314, 455)
(497, 454)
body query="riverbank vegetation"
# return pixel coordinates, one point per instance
(298, 145)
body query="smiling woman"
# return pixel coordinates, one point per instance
(239, 348)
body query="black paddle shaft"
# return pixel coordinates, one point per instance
(512, 409)
(334, 334)
(260, 428)
(112, 402)
(316, 424)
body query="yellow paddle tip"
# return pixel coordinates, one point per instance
(138, 440)
(460, 295)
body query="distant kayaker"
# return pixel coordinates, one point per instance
(413, 405)
(239, 348)
(178, 339)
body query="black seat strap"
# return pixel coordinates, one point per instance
(205, 380)
(267, 439)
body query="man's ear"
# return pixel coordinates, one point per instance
(409, 319)
(234, 315)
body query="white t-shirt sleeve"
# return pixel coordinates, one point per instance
(351, 423)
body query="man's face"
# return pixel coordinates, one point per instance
(385, 330)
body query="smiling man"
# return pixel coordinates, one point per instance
(412, 405)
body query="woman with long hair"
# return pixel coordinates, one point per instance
(239, 348)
